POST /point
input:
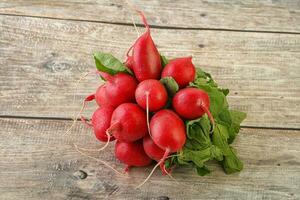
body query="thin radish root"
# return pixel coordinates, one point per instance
(76, 87)
(171, 177)
(113, 127)
(148, 177)
(138, 34)
(126, 169)
(102, 148)
(137, 31)
(143, 19)
(77, 83)
(162, 162)
(134, 8)
(88, 98)
(128, 51)
(85, 122)
(154, 168)
(99, 160)
(147, 112)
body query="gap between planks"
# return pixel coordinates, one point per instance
(70, 119)
(152, 26)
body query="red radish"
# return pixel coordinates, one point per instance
(128, 123)
(181, 69)
(146, 62)
(118, 89)
(168, 132)
(152, 150)
(132, 154)
(192, 103)
(100, 122)
(154, 91)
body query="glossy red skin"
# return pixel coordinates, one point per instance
(131, 122)
(181, 69)
(100, 96)
(101, 122)
(187, 103)
(152, 150)
(158, 95)
(132, 153)
(146, 59)
(119, 89)
(168, 130)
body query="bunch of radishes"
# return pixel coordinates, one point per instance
(137, 110)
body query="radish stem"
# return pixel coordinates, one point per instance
(162, 162)
(210, 117)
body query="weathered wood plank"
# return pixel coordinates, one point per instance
(279, 15)
(38, 161)
(42, 59)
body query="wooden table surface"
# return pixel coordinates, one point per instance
(251, 47)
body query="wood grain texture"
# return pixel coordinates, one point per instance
(38, 161)
(41, 60)
(265, 15)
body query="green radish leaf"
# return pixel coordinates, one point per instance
(216, 153)
(224, 118)
(171, 162)
(198, 148)
(200, 73)
(217, 98)
(225, 91)
(236, 118)
(199, 157)
(170, 85)
(198, 131)
(164, 60)
(231, 163)
(231, 119)
(202, 171)
(106, 62)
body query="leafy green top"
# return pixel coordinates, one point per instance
(201, 145)
(106, 62)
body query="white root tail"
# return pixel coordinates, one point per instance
(99, 160)
(76, 87)
(137, 31)
(75, 117)
(100, 149)
(148, 177)
(147, 113)
(171, 177)
(152, 171)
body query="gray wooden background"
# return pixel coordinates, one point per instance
(250, 47)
